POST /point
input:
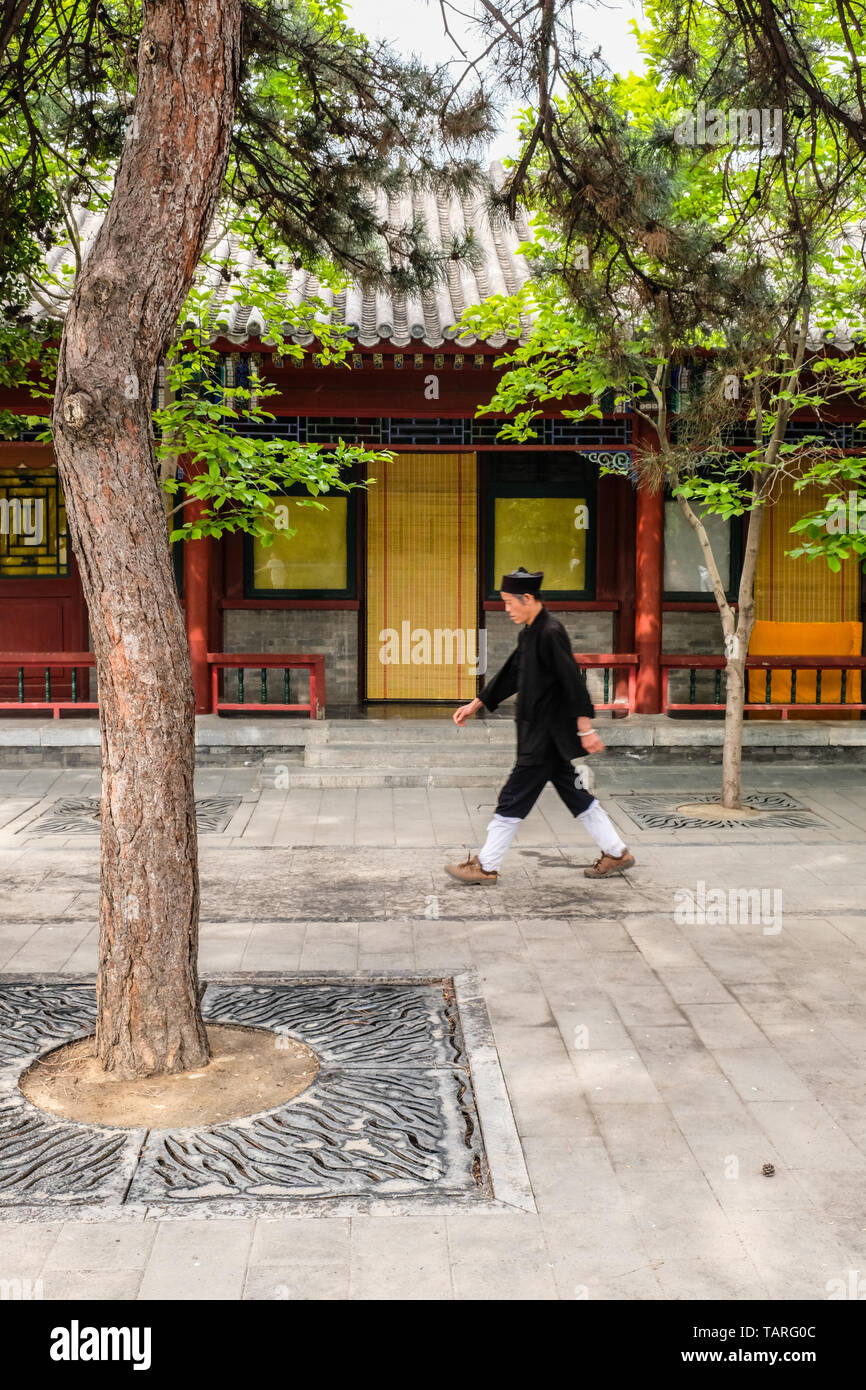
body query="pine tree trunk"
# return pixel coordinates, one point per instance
(123, 310)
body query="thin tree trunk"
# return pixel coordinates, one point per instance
(735, 666)
(737, 642)
(732, 748)
(737, 631)
(123, 310)
(735, 697)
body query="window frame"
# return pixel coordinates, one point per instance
(585, 485)
(31, 476)
(735, 565)
(350, 591)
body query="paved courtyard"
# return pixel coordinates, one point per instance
(656, 1058)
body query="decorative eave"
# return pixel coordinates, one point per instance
(370, 317)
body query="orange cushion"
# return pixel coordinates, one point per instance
(805, 639)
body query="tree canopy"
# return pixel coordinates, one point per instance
(322, 116)
(705, 262)
(323, 119)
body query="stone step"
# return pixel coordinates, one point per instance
(497, 733)
(399, 755)
(403, 777)
(393, 777)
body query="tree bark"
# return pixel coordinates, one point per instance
(735, 694)
(123, 310)
(735, 665)
(732, 748)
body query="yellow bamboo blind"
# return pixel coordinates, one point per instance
(422, 582)
(801, 591)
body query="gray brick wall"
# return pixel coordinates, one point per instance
(589, 632)
(332, 632)
(336, 634)
(693, 633)
(685, 633)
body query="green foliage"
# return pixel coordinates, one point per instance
(236, 476)
(27, 363)
(66, 91)
(838, 531)
(239, 476)
(806, 58)
(322, 118)
(661, 247)
(324, 121)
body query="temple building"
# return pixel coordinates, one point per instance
(395, 584)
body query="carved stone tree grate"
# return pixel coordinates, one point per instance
(391, 1112)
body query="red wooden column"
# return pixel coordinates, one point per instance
(197, 583)
(625, 575)
(649, 583)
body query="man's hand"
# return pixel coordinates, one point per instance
(588, 737)
(465, 712)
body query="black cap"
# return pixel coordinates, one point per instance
(520, 581)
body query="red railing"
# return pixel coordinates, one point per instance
(57, 676)
(241, 662)
(56, 681)
(610, 663)
(788, 666)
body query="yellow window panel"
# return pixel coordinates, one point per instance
(542, 533)
(32, 525)
(801, 591)
(314, 558)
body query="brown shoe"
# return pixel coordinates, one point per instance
(471, 872)
(607, 864)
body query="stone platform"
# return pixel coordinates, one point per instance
(372, 751)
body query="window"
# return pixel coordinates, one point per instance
(686, 575)
(318, 561)
(541, 515)
(542, 533)
(33, 540)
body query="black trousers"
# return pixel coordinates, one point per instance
(528, 781)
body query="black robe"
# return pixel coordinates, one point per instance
(551, 692)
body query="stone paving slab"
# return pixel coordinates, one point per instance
(653, 1065)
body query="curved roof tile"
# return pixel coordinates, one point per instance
(372, 316)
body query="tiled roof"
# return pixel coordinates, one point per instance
(369, 316)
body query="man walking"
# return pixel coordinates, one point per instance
(554, 725)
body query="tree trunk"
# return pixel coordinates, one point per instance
(123, 310)
(732, 750)
(737, 649)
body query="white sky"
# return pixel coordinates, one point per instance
(415, 26)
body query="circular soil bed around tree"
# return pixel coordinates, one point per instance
(251, 1069)
(713, 810)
